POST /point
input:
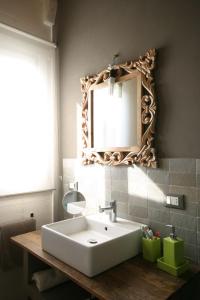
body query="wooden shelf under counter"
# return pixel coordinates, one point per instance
(134, 279)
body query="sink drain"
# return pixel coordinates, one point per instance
(92, 241)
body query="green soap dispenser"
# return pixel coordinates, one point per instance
(173, 249)
(173, 260)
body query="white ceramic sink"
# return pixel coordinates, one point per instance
(92, 244)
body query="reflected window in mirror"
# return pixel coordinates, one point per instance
(116, 117)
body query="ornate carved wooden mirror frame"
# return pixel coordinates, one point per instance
(145, 154)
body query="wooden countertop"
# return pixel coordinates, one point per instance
(135, 279)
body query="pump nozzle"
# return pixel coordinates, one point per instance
(173, 232)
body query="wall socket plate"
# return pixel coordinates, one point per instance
(175, 201)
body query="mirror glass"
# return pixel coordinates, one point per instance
(74, 202)
(118, 125)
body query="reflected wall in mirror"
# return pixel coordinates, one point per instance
(119, 115)
(116, 118)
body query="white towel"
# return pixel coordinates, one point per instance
(49, 278)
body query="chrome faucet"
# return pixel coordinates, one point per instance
(112, 210)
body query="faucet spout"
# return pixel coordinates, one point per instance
(112, 210)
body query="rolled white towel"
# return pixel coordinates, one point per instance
(49, 278)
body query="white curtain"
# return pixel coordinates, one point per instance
(27, 114)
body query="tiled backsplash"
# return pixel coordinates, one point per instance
(141, 192)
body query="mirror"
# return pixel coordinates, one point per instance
(118, 110)
(74, 203)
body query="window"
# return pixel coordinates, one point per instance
(27, 114)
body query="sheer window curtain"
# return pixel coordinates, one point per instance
(28, 114)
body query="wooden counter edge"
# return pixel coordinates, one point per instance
(97, 286)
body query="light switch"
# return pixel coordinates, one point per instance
(175, 201)
(168, 200)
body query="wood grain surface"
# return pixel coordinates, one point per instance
(135, 279)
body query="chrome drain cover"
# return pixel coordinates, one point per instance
(92, 241)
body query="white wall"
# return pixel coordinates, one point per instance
(16, 208)
(26, 15)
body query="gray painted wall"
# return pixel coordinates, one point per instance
(91, 32)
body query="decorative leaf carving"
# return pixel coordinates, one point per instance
(146, 156)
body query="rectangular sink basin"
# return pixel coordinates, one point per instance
(92, 244)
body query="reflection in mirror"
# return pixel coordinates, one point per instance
(74, 203)
(116, 117)
(119, 127)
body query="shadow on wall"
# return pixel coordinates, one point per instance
(141, 193)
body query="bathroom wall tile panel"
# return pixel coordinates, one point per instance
(68, 163)
(183, 221)
(119, 185)
(182, 165)
(68, 178)
(198, 180)
(107, 182)
(160, 176)
(190, 198)
(122, 209)
(137, 201)
(156, 205)
(119, 196)
(137, 182)
(93, 190)
(190, 193)
(198, 224)
(137, 170)
(191, 252)
(163, 164)
(198, 195)
(156, 194)
(182, 179)
(144, 221)
(198, 166)
(141, 193)
(137, 211)
(88, 173)
(198, 238)
(107, 172)
(119, 172)
(69, 167)
(160, 216)
(108, 196)
(156, 226)
(190, 209)
(86, 186)
(189, 236)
